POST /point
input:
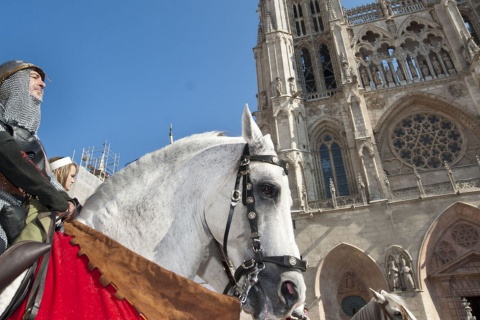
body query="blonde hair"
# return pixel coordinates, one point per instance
(62, 173)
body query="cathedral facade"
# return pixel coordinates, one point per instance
(377, 111)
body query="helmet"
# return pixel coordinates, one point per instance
(10, 67)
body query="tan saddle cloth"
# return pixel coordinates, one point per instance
(151, 289)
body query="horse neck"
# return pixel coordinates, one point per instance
(371, 311)
(155, 206)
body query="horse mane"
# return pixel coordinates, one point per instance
(372, 309)
(164, 162)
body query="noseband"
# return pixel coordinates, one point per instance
(250, 269)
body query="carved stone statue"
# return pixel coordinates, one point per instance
(424, 69)
(278, 86)
(347, 70)
(392, 270)
(387, 11)
(264, 100)
(413, 70)
(406, 275)
(436, 66)
(364, 76)
(388, 74)
(291, 82)
(376, 76)
(400, 74)
(447, 61)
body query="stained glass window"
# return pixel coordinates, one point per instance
(427, 140)
(332, 166)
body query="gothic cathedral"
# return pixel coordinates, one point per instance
(377, 110)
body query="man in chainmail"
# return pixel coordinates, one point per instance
(23, 169)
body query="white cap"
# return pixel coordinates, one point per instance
(60, 163)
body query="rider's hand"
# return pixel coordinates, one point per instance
(70, 213)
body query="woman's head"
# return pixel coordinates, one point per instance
(64, 170)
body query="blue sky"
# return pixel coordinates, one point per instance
(122, 71)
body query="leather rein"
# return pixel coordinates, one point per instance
(250, 269)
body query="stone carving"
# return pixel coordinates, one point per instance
(413, 70)
(330, 110)
(472, 46)
(377, 102)
(388, 74)
(293, 158)
(465, 235)
(392, 272)
(445, 252)
(424, 69)
(278, 86)
(376, 76)
(406, 274)
(447, 61)
(364, 76)
(386, 9)
(350, 282)
(400, 74)
(457, 90)
(391, 26)
(264, 100)
(347, 70)
(398, 265)
(291, 82)
(436, 66)
(314, 112)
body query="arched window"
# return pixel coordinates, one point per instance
(299, 22)
(327, 68)
(307, 69)
(316, 16)
(331, 162)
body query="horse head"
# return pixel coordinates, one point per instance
(174, 204)
(392, 306)
(259, 242)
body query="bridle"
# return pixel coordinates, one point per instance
(250, 269)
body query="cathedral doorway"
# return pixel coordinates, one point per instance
(450, 261)
(475, 305)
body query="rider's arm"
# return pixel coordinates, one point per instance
(16, 166)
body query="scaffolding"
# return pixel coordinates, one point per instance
(100, 162)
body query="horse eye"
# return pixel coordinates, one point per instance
(268, 190)
(397, 313)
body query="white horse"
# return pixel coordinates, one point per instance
(384, 306)
(173, 205)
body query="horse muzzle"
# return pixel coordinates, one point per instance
(276, 294)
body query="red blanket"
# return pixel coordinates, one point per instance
(72, 291)
(122, 285)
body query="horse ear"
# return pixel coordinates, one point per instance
(377, 296)
(253, 135)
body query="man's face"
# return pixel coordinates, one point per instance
(36, 85)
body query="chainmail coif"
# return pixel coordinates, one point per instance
(18, 107)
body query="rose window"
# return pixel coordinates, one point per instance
(465, 235)
(427, 140)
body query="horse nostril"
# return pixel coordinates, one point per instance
(289, 294)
